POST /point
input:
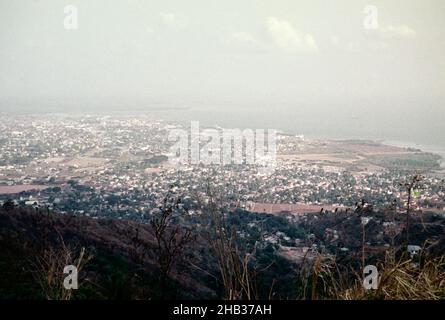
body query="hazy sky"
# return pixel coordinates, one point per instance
(225, 51)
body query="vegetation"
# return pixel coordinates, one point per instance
(419, 160)
(220, 254)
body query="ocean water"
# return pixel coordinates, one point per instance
(422, 128)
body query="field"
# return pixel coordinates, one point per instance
(297, 208)
(21, 188)
(358, 156)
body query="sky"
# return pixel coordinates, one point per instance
(374, 56)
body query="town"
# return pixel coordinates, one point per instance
(101, 166)
(315, 202)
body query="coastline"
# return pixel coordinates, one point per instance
(166, 116)
(437, 150)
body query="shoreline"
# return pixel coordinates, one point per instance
(434, 149)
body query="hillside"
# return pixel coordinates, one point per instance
(117, 268)
(280, 255)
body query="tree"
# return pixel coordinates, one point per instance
(8, 205)
(170, 239)
(410, 186)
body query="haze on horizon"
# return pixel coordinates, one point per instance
(280, 58)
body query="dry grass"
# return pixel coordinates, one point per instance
(236, 275)
(49, 266)
(236, 272)
(403, 281)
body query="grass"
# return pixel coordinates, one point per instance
(403, 280)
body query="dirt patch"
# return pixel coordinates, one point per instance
(21, 188)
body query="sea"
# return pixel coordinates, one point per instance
(422, 128)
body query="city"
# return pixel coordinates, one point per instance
(111, 167)
(222, 158)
